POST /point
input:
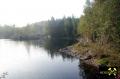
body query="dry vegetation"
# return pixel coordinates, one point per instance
(100, 54)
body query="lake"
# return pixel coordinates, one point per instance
(23, 60)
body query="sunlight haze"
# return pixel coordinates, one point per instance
(22, 12)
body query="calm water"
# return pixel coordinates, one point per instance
(22, 60)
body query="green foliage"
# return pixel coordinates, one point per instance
(56, 28)
(101, 22)
(101, 25)
(104, 61)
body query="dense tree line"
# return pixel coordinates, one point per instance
(54, 28)
(101, 22)
(67, 27)
(99, 27)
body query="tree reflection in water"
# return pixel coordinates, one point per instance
(52, 46)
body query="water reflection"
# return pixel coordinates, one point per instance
(33, 60)
(28, 46)
(51, 45)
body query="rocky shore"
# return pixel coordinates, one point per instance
(87, 57)
(88, 61)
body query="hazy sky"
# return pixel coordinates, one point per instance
(22, 12)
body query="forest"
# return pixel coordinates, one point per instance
(56, 28)
(98, 28)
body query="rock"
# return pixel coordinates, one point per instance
(88, 57)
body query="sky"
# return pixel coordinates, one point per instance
(22, 12)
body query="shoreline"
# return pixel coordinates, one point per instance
(88, 62)
(87, 58)
(91, 69)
